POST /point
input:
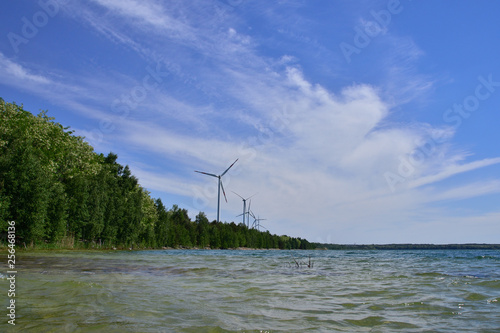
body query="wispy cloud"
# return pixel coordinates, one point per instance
(452, 170)
(467, 191)
(404, 81)
(16, 74)
(145, 12)
(57, 88)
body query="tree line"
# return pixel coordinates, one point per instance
(58, 190)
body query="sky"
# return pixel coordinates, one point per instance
(353, 122)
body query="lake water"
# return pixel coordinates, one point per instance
(254, 291)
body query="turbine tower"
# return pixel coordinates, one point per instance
(219, 187)
(245, 212)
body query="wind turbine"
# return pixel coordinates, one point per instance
(258, 219)
(256, 222)
(245, 212)
(219, 187)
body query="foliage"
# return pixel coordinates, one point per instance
(59, 191)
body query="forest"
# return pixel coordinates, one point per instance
(60, 192)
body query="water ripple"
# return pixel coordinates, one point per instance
(253, 291)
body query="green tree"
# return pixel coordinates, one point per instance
(148, 221)
(161, 227)
(57, 213)
(29, 183)
(202, 228)
(215, 236)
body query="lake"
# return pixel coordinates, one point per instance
(256, 291)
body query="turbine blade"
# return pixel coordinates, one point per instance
(206, 173)
(229, 167)
(238, 195)
(253, 195)
(222, 186)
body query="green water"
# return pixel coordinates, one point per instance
(253, 291)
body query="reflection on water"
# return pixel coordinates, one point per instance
(253, 291)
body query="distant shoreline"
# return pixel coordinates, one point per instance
(465, 246)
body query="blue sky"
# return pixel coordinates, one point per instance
(353, 121)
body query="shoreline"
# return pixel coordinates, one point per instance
(320, 247)
(22, 249)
